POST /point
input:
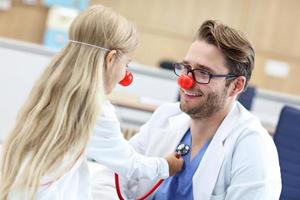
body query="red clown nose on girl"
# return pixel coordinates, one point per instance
(127, 80)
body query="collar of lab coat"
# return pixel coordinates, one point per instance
(206, 175)
(178, 124)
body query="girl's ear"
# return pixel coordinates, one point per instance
(237, 86)
(110, 58)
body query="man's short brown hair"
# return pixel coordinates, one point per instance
(238, 52)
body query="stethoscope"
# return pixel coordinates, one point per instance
(181, 150)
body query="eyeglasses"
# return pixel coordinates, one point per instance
(199, 75)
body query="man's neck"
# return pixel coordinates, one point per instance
(203, 129)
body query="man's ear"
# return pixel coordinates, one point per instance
(237, 85)
(111, 58)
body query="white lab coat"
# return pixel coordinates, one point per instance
(241, 162)
(108, 147)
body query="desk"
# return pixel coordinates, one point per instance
(130, 101)
(131, 111)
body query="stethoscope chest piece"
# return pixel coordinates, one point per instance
(182, 149)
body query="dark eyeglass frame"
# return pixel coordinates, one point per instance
(210, 75)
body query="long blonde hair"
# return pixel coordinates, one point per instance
(57, 118)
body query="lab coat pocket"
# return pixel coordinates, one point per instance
(218, 197)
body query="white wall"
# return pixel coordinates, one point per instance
(18, 71)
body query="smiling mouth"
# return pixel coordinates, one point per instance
(192, 94)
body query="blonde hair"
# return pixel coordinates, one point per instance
(60, 113)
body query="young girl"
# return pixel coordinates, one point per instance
(44, 155)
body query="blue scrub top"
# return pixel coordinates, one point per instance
(180, 186)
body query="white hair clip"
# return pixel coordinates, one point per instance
(91, 45)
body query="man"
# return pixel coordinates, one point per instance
(231, 155)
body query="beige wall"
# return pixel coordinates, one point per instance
(167, 28)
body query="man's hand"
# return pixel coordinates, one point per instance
(175, 163)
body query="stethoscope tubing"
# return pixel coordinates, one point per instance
(146, 195)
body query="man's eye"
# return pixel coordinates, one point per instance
(203, 72)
